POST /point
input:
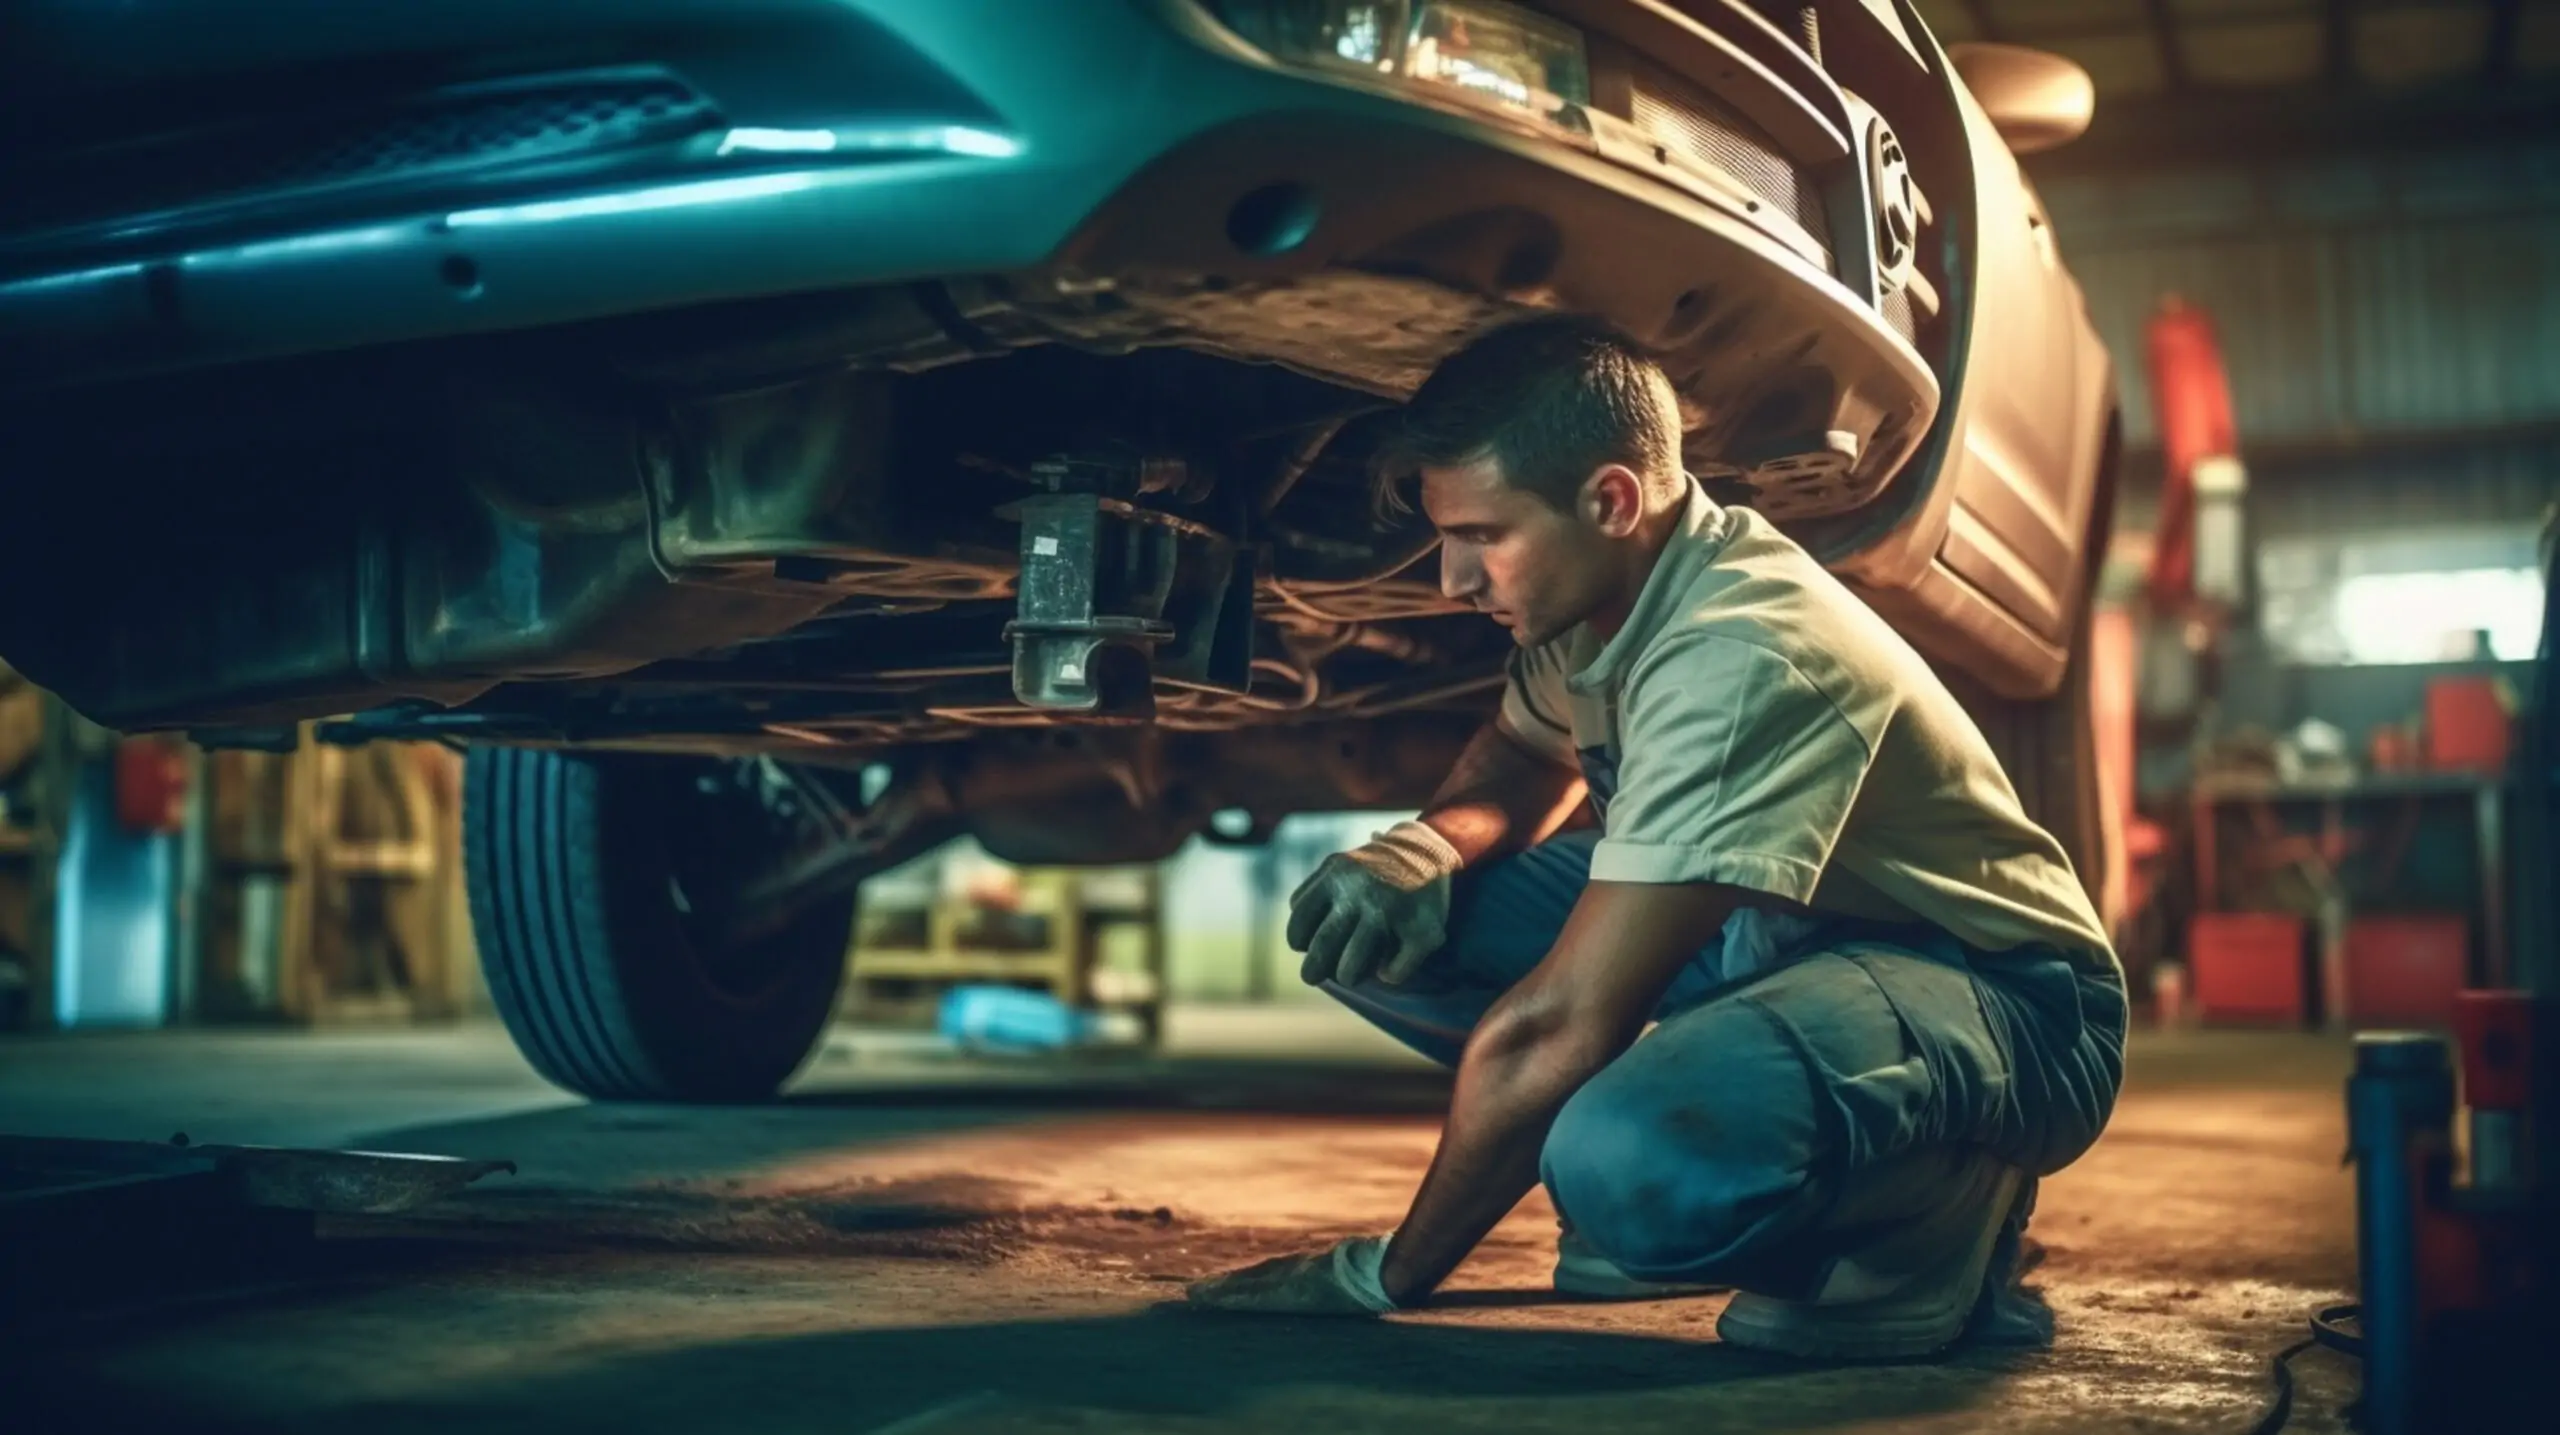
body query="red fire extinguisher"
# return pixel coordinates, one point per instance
(151, 784)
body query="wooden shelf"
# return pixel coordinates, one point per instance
(393, 859)
(933, 966)
(1076, 911)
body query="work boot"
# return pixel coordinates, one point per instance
(1910, 1289)
(1584, 1272)
(2008, 1315)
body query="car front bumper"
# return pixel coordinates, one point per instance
(1080, 144)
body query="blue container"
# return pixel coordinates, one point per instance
(1009, 1018)
(112, 905)
(2399, 1115)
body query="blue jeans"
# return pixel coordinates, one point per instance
(1804, 1072)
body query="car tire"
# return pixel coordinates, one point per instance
(590, 949)
(2049, 746)
(2049, 750)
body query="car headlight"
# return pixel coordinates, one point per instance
(1487, 51)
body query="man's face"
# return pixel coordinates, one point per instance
(1534, 570)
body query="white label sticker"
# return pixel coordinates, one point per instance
(1071, 671)
(1044, 547)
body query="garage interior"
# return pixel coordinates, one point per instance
(2322, 712)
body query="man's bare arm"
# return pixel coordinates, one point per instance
(1502, 797)
(1553, 1031)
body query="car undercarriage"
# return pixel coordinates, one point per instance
(780, 439)
(975, 518)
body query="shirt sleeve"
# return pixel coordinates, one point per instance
(1534, 703)
(1734, 769)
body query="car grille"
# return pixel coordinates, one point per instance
(1686, 118)
(502, 128)
(1899, 314)
(476, 127)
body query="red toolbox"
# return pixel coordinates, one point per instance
(2466, 724)
(2407, 970)
(2247, 967)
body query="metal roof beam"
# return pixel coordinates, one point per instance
(2338, 42)
(2214, 128)
(2201, 28)
(2164, 37)
(2498, 65)
(2282, 459)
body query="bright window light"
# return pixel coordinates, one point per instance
(2419, 593)
(1363, 39)
(2434, 617)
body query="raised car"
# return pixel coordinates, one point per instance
(778, 435)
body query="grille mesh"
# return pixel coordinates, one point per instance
(490, 126)
(1686, 118)
(1899, 313)
(495, 129)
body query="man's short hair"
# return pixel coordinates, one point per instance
(1548, 399)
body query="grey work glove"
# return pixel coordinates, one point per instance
(1380, 908)
(1340, 1281)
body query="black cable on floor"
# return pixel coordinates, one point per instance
(2325, 1331)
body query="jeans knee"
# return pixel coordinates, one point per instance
(1661, 1189)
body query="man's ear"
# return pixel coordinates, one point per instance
(1613, 500)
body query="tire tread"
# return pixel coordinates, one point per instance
(564, 909)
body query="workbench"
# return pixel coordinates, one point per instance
(2485, 792)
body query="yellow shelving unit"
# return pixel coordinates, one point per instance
(1049, 935)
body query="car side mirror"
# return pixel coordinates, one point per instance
(2036, 100)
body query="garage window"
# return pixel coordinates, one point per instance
(2451, 595)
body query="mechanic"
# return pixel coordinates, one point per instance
(1874, 1002)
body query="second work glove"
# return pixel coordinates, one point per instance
(1378, 909)
(1343, 1280)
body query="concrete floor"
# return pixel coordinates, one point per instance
(911, 1243)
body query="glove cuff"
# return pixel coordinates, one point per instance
(1419, 850)
(1356, 1264)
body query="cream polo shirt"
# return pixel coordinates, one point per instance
(1755, 725)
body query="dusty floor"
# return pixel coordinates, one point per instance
(914, 1244)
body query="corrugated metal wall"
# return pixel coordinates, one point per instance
(2416, 294)
(2502, 485)
(2505, 485)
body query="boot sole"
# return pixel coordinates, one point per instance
(1585, 1274)
(1610, 1283)
(1896, 1327)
